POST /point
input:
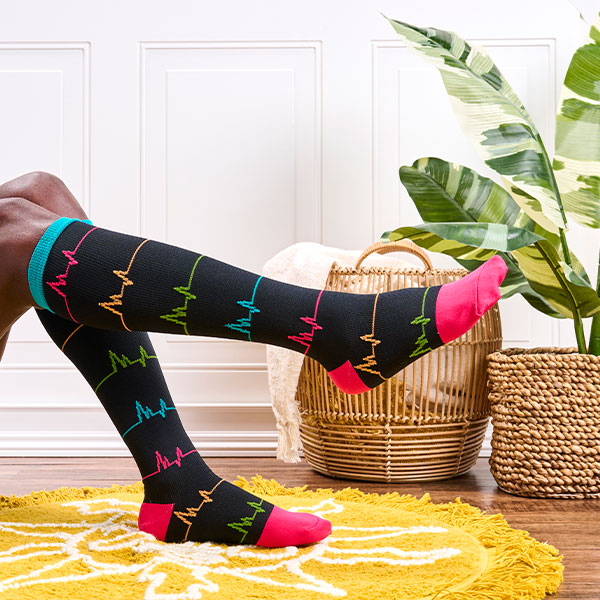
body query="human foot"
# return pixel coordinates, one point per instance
(379, 334)
(206, 507)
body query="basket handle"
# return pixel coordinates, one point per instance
(405, 245)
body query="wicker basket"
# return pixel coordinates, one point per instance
(546, 416)
(428, 421)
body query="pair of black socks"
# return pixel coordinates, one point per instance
(102, 290)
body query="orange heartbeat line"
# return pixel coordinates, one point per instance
(117, 299)
(370, 360)
(192, 511)
(70, 336)
(162, 462)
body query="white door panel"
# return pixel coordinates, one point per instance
(235, 130)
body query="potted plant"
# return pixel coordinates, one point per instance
(545, 401)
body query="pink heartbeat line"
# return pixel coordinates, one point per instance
(61, 280)
(306, 337)
(162, 462)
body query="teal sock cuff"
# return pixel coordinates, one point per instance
(35, 271)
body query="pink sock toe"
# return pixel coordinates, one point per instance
(488, 283)
(460, 304)
(284, 528)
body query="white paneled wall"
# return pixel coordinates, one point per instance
(236, 129)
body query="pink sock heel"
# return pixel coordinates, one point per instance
(347, 379)
(154, 519)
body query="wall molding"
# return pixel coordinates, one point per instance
(97, 444)
(175, 367)
(229, 406)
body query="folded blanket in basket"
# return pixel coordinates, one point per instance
(307, 264)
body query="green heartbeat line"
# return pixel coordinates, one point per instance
(247, 521)
(179, 314)
(422, 320)
(124, 362)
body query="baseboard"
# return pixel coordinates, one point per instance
(93, 443)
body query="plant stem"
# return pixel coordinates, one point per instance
(577, 322)
(595, 332)
(579, 333)
(565, 248)
(561, 231)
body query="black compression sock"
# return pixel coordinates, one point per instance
(117, 281)
(184, 500)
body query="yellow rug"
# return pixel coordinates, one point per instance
(82, 544)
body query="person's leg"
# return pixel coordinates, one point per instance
(113, 280)
(43, 190)
(184, 500)
(116, 281)
(3, 341)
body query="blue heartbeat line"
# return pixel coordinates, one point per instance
(146, 412)
(243, 324)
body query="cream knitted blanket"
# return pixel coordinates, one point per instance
(307, 264)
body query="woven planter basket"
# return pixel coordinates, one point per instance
(428, 421)
(546, 417)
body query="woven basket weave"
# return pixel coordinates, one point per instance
(546, 417)
(428, 421)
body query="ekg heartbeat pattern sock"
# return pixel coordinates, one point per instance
(117, 281)
(184, 500)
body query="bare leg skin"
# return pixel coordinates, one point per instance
(3, 341)
(28, 205)
(45, 190)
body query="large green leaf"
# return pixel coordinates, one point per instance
(549, 275)
(516, 283)
(540, 263)
(493, 118)
(577, 158)
(478, 241)
(444, 191)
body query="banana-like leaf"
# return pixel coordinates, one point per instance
(478, 241)
(493, 118)
(543, 268)
(524, 221)
(577, 139)
(444, 191)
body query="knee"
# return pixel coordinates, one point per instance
(14, 209)
(46, 190)
(21, 219)
(38, 181)
(22, 223)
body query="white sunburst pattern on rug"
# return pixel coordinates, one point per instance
(201, 559)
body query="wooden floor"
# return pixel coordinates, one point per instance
(572, 526)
